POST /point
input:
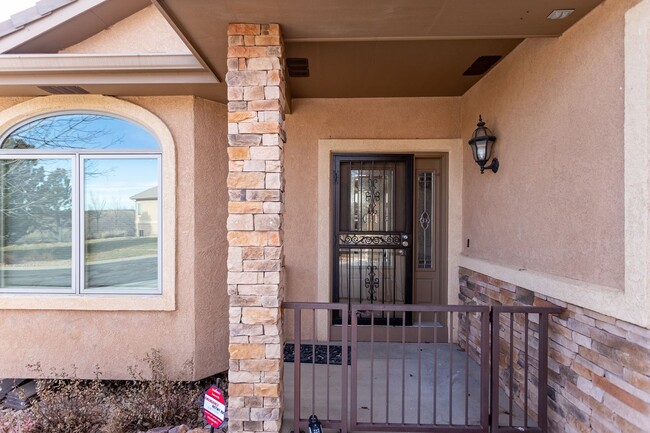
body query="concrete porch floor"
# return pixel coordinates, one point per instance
(445, 360)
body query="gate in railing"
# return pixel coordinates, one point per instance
(387, 373)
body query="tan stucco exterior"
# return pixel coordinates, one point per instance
(312, 120)
(59, 331)
(126, 36)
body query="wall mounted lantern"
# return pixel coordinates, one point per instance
(481, 143)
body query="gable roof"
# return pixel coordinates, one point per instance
(147, 194)
(51, 25)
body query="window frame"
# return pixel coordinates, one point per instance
(77, 181)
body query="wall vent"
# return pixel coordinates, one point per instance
(481, 65)
(297, 67)
(64, 90)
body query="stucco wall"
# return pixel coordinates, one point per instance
(314, 119)
(210, 243)
(556, 106)
(114, 340)
(126, 36)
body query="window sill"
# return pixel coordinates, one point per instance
(165, 302)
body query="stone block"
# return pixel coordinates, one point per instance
(239, 339)
(247, 52)
(244, 376)
(259, 128)
(259, 290)
(271, 278)
(233, 128)
(270, 301)
(272, 92)
(252, 207)
(238, 153)
(273, 181)
(273, 351)
(262, 64)
(265, 339)
(260, 315)
(265, 414)
(262, 195)
(267, 222)
(244, 29)
(249, 40)
(260, 365)
(235, 165)
(236, 94)
(246, 238)
(261, 266)
(273, 207)
(253, 253)
(270, 140)
(241, 413)
(269, 153)
(248, 330)
(241, 389)
(267, 40)
(272, 253)
(273, 166)
(246, 78)
(254, 401)
(264, 105)
(253, 426)
(272, 402)
(234, 314)
(245, 180)
(236, 402)
(245, 301)
(242, 116)
(243, 277)
(247, 351)
(240, 222)
(237, 105)
(254, 165)
(253, 93)
(272, 426)
(236, 40)
(267, 389)
(274, 239)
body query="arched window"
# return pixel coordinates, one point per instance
(80, 206)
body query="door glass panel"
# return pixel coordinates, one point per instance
(121, 223)
(425, 220)
(374, 222)
(36, 229)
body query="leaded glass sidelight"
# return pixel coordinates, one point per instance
(71, 187)
(425, 219)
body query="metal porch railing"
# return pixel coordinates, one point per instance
(416, 368)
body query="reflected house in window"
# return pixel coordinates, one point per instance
(146, 212)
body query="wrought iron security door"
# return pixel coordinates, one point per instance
(373, 231)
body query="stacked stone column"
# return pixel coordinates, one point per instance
(256, 89)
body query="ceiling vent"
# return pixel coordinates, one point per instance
(560, 14)
(481, 65)
(64, 90)
(298, 67)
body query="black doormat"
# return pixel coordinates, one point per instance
(307, 350)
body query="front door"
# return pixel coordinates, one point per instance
(373, 253)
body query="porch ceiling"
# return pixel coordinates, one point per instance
(377, 48)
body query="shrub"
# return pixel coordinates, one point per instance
(17, 421)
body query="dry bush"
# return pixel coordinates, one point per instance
(158, 402)
(67, 404)
(17, 421)
(71, 405)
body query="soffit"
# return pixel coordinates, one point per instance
(376, 48)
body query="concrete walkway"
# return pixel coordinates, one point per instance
(389, 390)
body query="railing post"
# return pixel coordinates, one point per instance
(542, 387)
(344, 371)
(494, 369)
(297, 344)
(353, 379)
(485, 367)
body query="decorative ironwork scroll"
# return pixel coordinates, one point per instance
(355, 239)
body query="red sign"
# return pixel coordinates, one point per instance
(214, 406)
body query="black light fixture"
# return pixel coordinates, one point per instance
(481, 143)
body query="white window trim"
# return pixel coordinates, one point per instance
(61, 104)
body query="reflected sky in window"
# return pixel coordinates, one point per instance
(80, 131)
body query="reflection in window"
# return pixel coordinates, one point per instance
(36, 235)
(80, 207)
